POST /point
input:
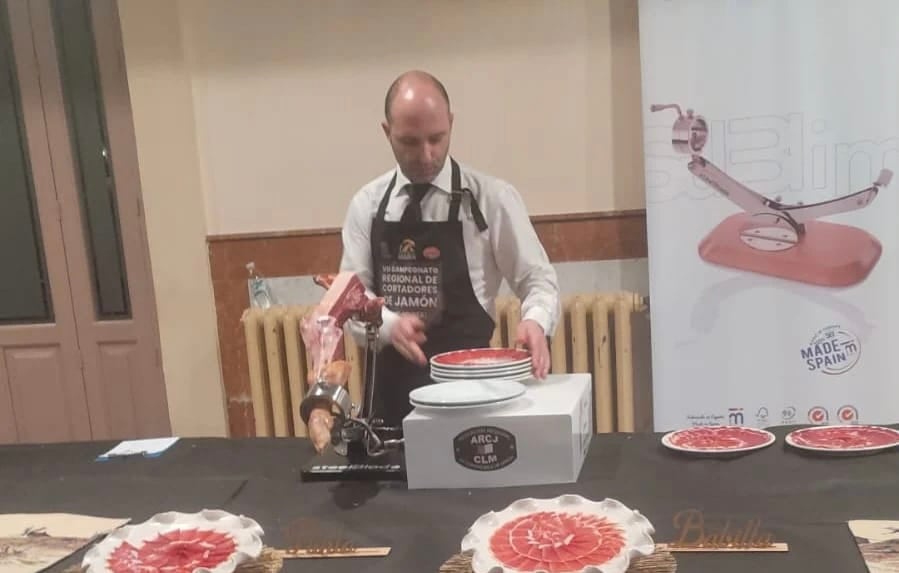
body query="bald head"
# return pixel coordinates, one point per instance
(417, 124)
(415, 86)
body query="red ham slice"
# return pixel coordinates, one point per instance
(846, 437)
(344, 299)
(557, 542)
(177, 551)
(718, 438)
(345, 296)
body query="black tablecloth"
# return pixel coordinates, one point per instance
(804, 500)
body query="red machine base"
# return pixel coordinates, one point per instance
(828, 255)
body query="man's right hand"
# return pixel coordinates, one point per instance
(407, 336)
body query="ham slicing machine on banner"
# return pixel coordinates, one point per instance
(777, 239)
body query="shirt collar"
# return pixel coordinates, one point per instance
(443, 181)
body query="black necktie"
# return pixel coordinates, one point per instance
(417, 192)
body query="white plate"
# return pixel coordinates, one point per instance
(481, 358)
(243, 532)
(517, 378)
(848, 450)
(488, 367)
(465, 406)
(604, 522)
(470, 367)
(467, 392)
(482, 373)
(760, 439)
(467, 368)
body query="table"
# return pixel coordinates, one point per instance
(803, 500)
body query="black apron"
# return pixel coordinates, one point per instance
(421, 268)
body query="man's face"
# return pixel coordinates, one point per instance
(420, 138)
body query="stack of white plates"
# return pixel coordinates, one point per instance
(507, 364)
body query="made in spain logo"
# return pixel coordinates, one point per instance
(832, 350)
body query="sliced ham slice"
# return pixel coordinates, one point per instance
(557, 542)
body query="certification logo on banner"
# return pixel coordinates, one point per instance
(832, 350)
(788, 415)
(818, 415)
(848, 414)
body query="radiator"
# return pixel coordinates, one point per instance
(594, 336)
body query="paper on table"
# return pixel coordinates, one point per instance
(32, 542)
(878, 542)
(148, 448)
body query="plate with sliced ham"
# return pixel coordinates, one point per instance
(844, 439)
(718, 440)
(481, 359)
(566, 534)
(210, 541)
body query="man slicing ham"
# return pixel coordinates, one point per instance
(434, 239)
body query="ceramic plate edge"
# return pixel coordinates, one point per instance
(518, 393)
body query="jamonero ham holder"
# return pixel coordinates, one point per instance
(777, 239)
(352, 442)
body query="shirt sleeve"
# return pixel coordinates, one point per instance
(356, 258)
(523, 262)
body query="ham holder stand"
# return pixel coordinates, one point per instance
(362, 447)
(777, 239)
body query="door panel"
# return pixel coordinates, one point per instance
(101, 219)
(41, 385)
(42, 398)
(8, 432)
(119, 361)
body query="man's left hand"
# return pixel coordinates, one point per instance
(531, 336)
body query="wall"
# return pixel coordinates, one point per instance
(289, 95)
(176, 225)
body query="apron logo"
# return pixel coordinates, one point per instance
(407, 250)
(485, 448)
(431, 253)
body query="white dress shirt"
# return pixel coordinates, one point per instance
(509, 248)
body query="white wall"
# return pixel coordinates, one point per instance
(174, 207)
(288, 99)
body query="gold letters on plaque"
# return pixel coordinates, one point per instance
(695, 535)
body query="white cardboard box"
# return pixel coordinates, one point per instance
(541, 438)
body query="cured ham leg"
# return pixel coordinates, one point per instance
(322, 333)
(320, 424)
(321, 421)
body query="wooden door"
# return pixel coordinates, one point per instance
(78, 64)
(42, 396)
